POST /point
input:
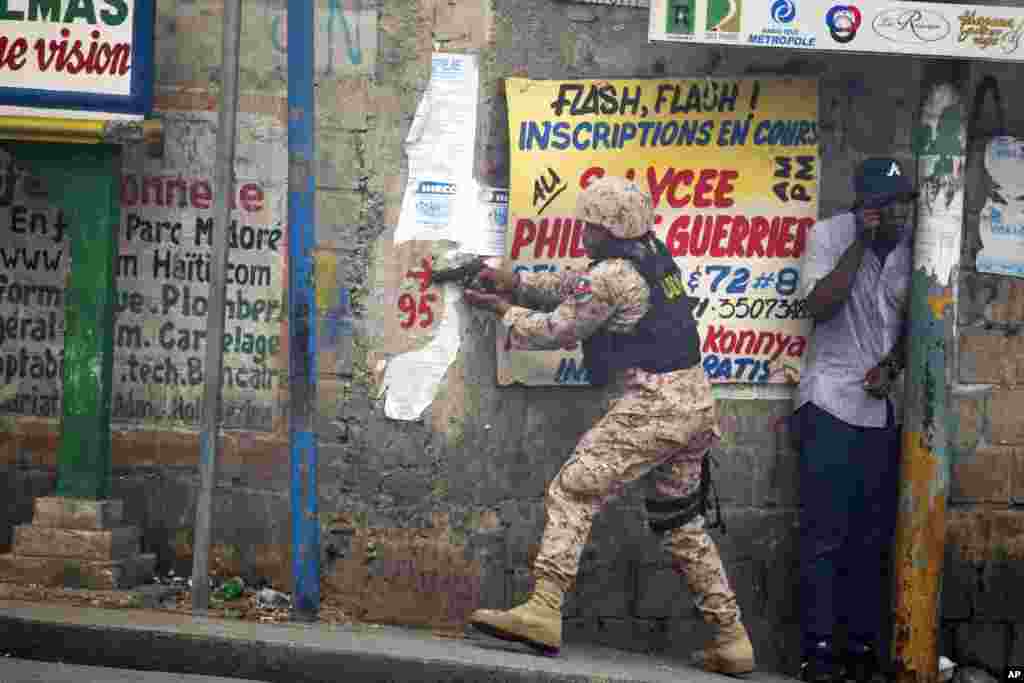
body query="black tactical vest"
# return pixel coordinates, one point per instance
(666, 339)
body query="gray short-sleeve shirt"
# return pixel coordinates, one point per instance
(843, 349)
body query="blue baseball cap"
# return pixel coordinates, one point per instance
(882, 175)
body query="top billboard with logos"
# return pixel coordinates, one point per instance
(872, 26)
(76, 58)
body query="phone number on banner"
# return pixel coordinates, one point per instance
(751, 308)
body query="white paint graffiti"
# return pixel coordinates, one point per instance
(941, 178)
(167, 228)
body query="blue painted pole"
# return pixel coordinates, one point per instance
(302, 311)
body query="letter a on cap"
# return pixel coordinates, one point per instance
(894, 170)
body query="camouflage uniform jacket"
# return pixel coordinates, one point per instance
(560, 310)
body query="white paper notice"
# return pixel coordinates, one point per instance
(440, 147)
(411, 379)
(485, 223)
(1001, 226)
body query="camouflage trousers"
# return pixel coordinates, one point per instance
(659, 431)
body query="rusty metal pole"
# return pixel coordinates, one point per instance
(940, 143)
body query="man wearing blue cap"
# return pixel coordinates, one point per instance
(856, 277)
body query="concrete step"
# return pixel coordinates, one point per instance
(80, 544)
(62, 571)
(78, 513)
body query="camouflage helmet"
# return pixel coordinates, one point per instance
(619, 205)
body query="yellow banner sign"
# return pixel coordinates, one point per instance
(732, 167)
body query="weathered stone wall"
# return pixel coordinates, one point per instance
(983, 616)
(424, 521)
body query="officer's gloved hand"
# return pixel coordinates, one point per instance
(501, 280)
(496, 303)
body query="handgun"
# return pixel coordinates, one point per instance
(465, 275)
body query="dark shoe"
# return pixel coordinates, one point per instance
(860, 663)
(820, 664)
(816, 671)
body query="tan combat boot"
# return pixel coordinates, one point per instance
(537, 622)
(729, 652)
(695, 555)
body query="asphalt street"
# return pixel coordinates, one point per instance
(25, 671)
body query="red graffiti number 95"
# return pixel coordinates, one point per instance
(407, 305)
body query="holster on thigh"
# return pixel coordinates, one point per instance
(665, 514)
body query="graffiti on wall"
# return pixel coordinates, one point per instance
(346, 37)
(188, 52)
(163, 266)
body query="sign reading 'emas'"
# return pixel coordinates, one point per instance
(76, 57)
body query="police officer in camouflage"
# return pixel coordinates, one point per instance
(631, 314)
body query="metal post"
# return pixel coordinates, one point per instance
(302, 311)
(940, 142)
(224, 188)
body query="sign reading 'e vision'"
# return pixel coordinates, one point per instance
(76, 58)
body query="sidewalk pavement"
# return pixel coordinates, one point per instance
(300, 653)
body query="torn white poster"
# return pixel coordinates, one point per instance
(1001, 224)
(440, 147)
(486, 222)
(411, 379)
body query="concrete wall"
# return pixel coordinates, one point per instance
(983, 617)
(424, 521)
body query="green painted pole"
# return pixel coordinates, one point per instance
(940, 143)
(82, 180)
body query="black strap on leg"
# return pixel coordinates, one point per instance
(708, 487)
(665, 515)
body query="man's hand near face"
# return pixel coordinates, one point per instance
(869, 220)
(878, 381)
